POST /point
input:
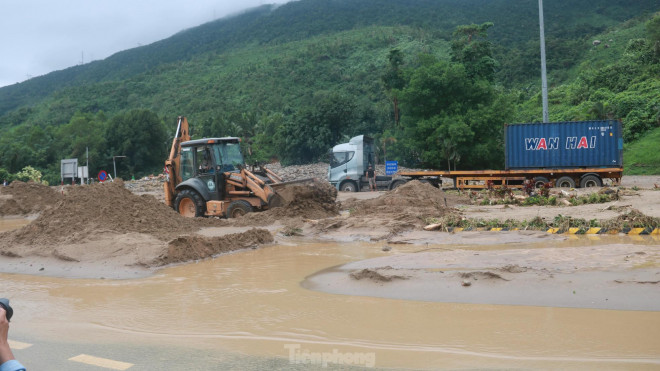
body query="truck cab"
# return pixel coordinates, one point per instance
(349, 162)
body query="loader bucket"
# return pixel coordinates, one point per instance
(288, 192)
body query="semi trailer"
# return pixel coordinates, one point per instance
(563, 154)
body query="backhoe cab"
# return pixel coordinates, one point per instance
(208, 177)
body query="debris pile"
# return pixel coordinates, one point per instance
(414, 198)
(20, 198)
(87, 210)
(309, 200)
(187, 248)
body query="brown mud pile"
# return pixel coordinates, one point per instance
(24, 199)
(89, 210)
(309, 200)
(410, 204)
(187, 248)
(376, 275)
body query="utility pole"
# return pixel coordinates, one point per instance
(544, 77)
(114, 165)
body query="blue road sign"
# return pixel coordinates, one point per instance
(391, 167)
(102, 176)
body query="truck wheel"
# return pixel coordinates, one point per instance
(565, 182)
(397, 183)
(590, 181)
(349, 186)
(189, 203)
(238, 208)
(539, 181)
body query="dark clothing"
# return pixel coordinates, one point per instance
(370, 173)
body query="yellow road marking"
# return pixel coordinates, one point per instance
(101, 362)
(593, 230)
(636, 230)
(18, 345)
(573, 230)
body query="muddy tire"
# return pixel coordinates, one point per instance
(349, 186)
(590, 181)
(238, 208)
(565, 182)
(539, 181)
(189, 203)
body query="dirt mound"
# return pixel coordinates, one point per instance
(375, 275)
(486, 275)
(310, 200)
(412, 202)
(186, 248)
(21, 198)
(85, 211)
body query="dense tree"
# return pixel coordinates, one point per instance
(313, 130)
(140, 136)
(471, 47)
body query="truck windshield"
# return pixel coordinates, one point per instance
(340, 158)
(228, 155)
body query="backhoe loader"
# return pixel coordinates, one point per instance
(208, 177)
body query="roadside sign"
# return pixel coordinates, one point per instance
(102, 176)
(391, 167)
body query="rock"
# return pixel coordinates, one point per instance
(467, 283)
(596, 42)
(387, 248)
(432, 227)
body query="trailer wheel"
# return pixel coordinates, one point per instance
(539, 181)
(397, 183)
(565, 182)
(238, 208)
(590, 181)
(189, 203)
(349, 186)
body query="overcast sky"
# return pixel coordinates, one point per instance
(40, 36)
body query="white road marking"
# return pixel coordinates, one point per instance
(18, 345)
(101, 362)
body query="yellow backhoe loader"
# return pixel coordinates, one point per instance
(208, 177)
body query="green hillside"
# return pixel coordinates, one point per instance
(276, 75)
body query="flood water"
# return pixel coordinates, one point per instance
(251, 302)
(8, 224)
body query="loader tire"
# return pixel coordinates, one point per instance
(238, 208)
(189, 203)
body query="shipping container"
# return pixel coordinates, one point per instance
(581, 144)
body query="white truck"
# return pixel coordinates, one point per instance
(349, 163)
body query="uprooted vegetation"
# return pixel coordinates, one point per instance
(632, 219)
(545, 197)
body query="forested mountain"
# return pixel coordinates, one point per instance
(294, 79)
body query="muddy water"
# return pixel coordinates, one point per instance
(8, 224)
(252, 302)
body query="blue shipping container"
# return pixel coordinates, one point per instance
(564, 145)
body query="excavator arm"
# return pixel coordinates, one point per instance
(172, 163)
